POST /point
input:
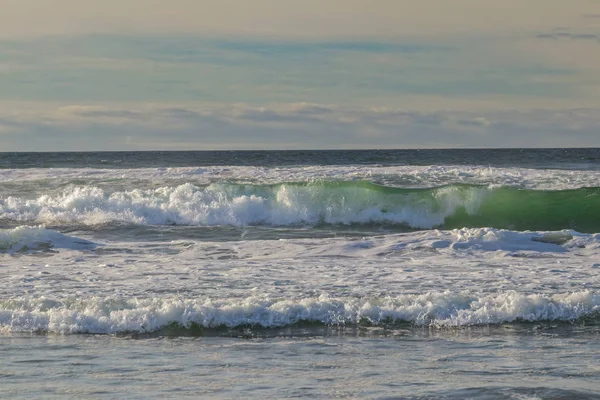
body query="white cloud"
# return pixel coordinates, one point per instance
(564, 34)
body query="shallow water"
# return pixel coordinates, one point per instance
(504, 362)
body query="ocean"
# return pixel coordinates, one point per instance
(417, 274)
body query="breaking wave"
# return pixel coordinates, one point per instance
(322, 202)
(114, 315)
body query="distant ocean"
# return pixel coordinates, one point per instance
(442, 274)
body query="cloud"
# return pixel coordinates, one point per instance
(288, 126)
(474, 122)
(562, 34)
(104, 113)
(286, 48)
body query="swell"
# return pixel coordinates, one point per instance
(314, 203)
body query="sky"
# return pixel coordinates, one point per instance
(287, 74)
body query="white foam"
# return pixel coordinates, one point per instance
(24, 238)
(457, 241)
(219, 204)
(406, 176)
(490, 239)
(459, 277)
(111, 315)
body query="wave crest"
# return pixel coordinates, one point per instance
(328, 202)
(112, 315)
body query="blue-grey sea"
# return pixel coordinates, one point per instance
(380, 274)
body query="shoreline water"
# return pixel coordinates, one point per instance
(466, 363)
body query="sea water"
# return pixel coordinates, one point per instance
(357, 274)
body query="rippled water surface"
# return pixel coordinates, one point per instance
(504, 362)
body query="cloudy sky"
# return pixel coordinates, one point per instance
(281, 74)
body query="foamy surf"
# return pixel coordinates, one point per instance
(449, 242)
(116, 315)
(398, 175)
(314, 203)
(32, 238)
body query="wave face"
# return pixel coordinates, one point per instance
(114, 315)
(313, 203)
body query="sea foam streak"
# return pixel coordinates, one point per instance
(114, 315)
(320, 202)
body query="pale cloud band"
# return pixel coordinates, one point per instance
(288, 126)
